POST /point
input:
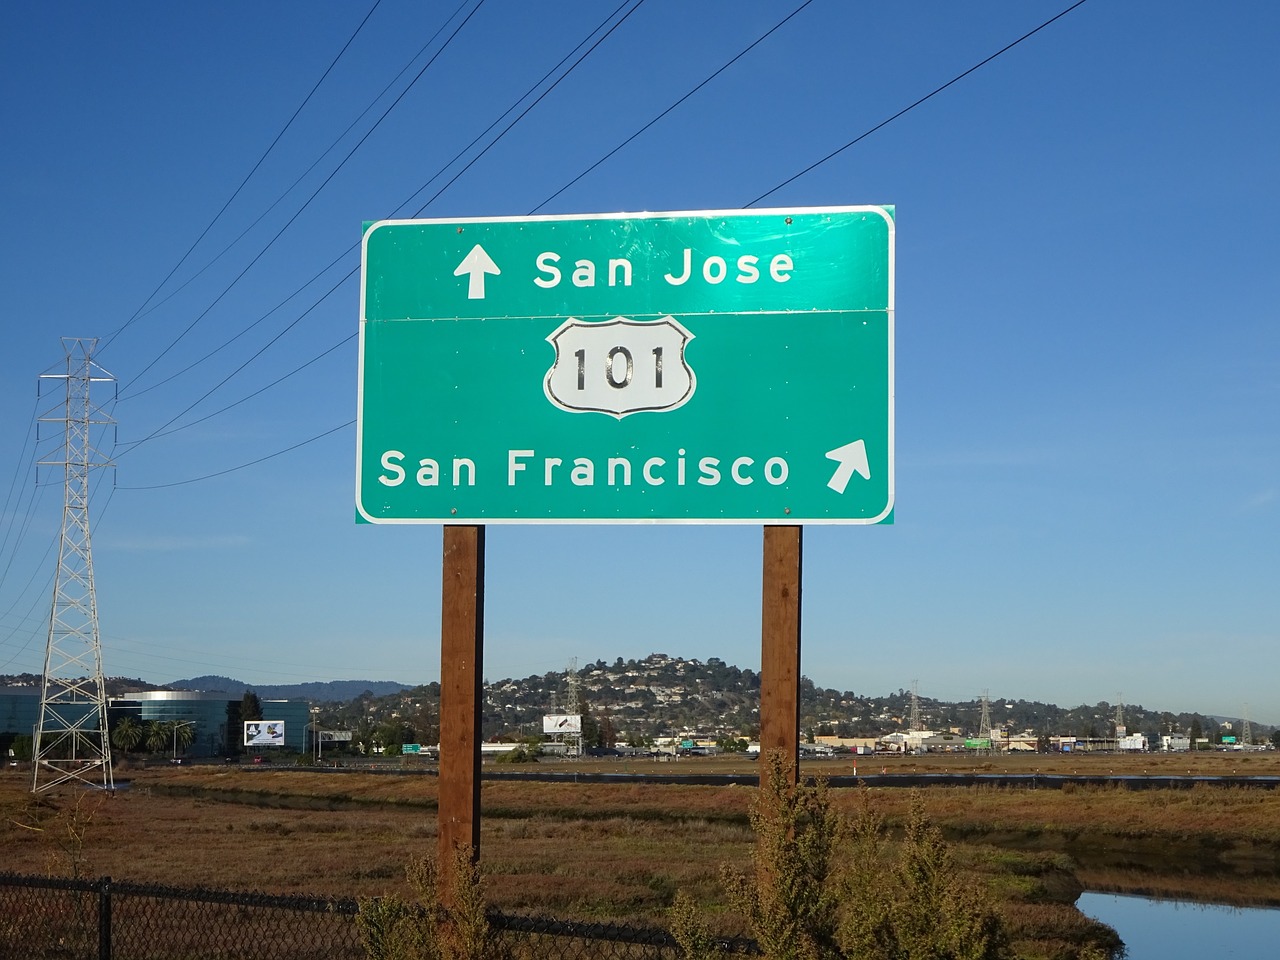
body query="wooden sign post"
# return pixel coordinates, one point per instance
(461, 665)
(780, 646)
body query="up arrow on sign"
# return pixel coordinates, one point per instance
(475, 265)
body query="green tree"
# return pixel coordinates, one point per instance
(156, 735)
(128, 733)
(607, 736)
(250, 706)
(590, 726)
(392, 736)
(426, 726)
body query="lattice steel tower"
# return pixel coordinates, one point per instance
(71, 736)
(573, 706)
(984, 721)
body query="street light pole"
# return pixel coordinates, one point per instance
(176, 725)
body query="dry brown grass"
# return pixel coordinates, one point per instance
(621, 851)
(275, 829)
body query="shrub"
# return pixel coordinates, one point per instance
(789, 900)
(824, 887)
(446, 923)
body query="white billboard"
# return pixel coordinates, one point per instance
(264, 733)
(562, 723)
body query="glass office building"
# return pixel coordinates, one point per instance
(214, 716)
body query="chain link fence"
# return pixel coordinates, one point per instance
(48, 918)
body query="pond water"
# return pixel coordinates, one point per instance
(1176, 930)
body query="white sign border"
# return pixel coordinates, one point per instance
(878, 209)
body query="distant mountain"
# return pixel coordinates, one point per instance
(328, 691)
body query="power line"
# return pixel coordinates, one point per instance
(262, 319)
(133, 445)
(525, 112)
(908, 109)
(327, 180)
(28, 441)
(399, 206)
(42, 627)
(30, 581)
(302, 176)
(742, 53)
(507, 129)
(247, 177)
(251, 463)
(263, 389)
(162, 431)
(520, 99)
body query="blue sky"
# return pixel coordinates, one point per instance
(1088, 358)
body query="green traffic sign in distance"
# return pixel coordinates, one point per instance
(710, 367)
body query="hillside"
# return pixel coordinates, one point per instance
(661, 695)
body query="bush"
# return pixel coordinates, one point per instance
(790, 900)
(824, 887)
(448, 921)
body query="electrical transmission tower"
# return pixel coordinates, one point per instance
(914, 722)
(1246, 729)
(1121, 730)
(71, 735)
(573, 708)
(984, 722)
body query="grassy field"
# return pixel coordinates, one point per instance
(621, 851)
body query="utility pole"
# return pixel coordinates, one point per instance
(71, 735)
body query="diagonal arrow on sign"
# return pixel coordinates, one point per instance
(852, 458)
(476, 263)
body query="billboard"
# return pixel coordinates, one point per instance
(264, 733)
(562, 723)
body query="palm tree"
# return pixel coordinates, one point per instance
(127, 734)
(157, 736)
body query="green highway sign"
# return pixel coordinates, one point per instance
(704, 367)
